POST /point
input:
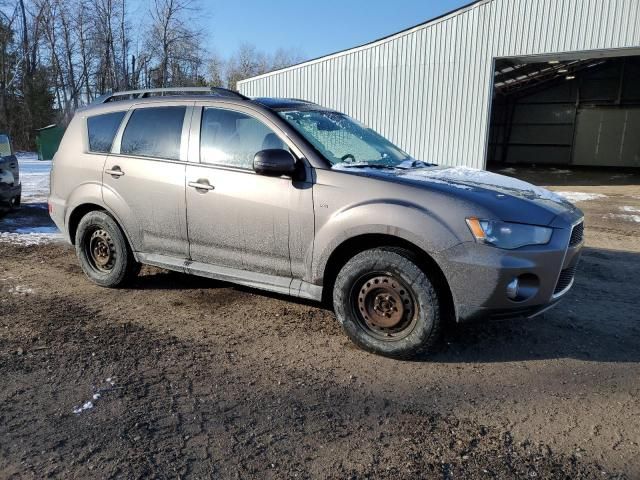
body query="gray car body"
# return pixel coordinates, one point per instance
(289, 235)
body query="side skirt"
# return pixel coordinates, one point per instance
(262, 281)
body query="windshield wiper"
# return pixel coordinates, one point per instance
(367, 165)
(411, 163)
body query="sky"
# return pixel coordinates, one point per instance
(311, 28)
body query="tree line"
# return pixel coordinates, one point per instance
(57, 55)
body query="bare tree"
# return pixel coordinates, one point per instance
(215, 70)
(56, 55)
(174, 43)
(83, 28)
(283, 58)
(248, 61)
(25, 97)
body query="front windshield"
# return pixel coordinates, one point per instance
(343, 140)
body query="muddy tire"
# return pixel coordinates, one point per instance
(387, 305)
(103, 251)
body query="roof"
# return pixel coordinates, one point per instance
(285, 103)
(125, 103)
(371, 43)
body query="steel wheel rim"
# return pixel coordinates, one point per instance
(384, 307)
(101, 251)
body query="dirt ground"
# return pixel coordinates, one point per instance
(199, 379)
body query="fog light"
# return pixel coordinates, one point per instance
(512, 289)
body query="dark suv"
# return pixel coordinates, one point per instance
(288, 196)
(10, 188)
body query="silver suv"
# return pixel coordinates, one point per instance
(287, 196)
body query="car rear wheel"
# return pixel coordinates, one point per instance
(103, 251)
(387, 305)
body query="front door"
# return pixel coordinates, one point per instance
(236, 218)
(144, 179)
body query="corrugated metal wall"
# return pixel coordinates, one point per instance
(428, 89)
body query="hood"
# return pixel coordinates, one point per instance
(512, 199)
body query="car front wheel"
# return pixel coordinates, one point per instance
(387, 304)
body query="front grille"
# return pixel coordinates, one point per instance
(564, 281)
(577, 234)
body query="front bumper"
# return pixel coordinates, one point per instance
(478, 276)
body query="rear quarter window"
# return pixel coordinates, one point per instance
(154, 132)
(102, 130)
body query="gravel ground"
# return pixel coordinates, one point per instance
(181, 377)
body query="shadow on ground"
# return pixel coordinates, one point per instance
(29, 216)
(599, 320)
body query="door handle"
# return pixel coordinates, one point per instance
(115, 171)
(201, 184)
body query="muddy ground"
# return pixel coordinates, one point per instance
(200, 379)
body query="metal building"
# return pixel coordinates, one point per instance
(431, 88)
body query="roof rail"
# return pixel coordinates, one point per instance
(145, 93)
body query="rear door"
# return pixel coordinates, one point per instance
(144, 177)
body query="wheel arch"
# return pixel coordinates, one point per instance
(354, 245)
(83, 209)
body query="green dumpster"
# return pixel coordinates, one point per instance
(47, 140)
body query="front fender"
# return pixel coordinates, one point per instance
(405, 220)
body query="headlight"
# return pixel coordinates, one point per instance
(508, 235)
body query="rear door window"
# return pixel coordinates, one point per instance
(154, 132)
(102, 130)
(232, 138)
(5, 145)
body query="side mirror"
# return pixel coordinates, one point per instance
(274, 162)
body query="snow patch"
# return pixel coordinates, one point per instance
(425, 175)
(30, 238)
(20, 290)
(85, 406)
(470, 176)
(26, 156)
(89, 404)
(465, 178)
(629, 209)
(575, 197)
(624, 217)
(34, 176)
(508, 170)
